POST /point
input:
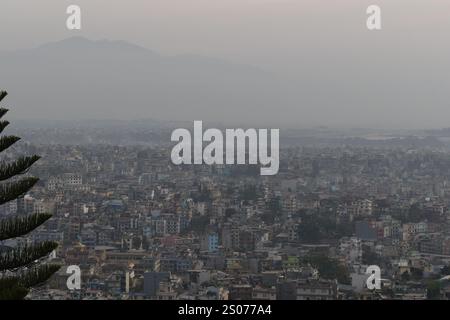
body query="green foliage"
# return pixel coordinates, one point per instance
(7, 141)
(3, 94)
(322, 226)
(145, 243)
(416, 274)
(405, 276)
(3, 125)
(445, 271)
(416, 213)
(369, 257)
(11, 290)
(309, 231)
(330, 268)
(275, 206)
(248, 193)
(23, 256)
(37, 275)
(12, 190)
(136, 242)
(199, 224)
(433, 290)
(229, 212)
(20, 166)
(19, 267)
(17, 287)
(3, 111)
(202, 195)
(19, 226)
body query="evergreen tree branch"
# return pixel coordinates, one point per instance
(12, 190)
(19, 226)
(16, 288)
(19, 166)
(24, 256)
(3, 125)
(3, 94)
(23, 261)
(11, 290)
(7, 141)
(37, 275)
(3, 111)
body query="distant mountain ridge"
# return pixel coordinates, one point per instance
(82, 43)
(78, 78)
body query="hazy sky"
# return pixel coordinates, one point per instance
(271, 33)
(404, 67)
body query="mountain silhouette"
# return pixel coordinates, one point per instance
(78, 78)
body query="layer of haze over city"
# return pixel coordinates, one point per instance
(256, 62)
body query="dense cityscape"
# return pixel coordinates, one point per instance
(140, 227)
(221, 159)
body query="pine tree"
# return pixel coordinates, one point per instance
(22, 267)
